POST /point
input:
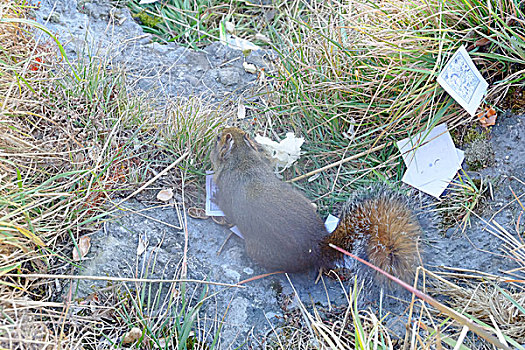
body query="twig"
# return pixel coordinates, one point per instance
(481, 331)
(154, 178)
(254, 278)
(223, 244)
(339, 162)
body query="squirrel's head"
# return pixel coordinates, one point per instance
(231, 141)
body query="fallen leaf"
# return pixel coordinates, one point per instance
(481, 42)
(197, 213)
(143, 244)
(241, 111)
(162, 342)
(262, 37)
(219, 220)
(488, 117)
(132, 336)
(314, 177)
(84, 243)
(230, 27)
(165, 195)
(240, 43)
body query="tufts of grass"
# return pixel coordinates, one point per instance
(72, 138)
(492, 301)
(191, 124)
(357, 75)
(336, 328)
(180, 21)
(165, 316)
(464, 197)
(197, 23)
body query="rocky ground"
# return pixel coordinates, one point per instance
(97, 28)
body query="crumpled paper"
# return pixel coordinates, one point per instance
(283, 153)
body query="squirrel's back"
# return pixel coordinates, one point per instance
(282, 229)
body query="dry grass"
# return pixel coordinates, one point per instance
(332, 328)
(490, 304)
(72, 138)
(360, 74)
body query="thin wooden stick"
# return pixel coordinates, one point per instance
(339, 162)
(154, 178)
(482, 332)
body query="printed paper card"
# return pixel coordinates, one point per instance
(211, 208)
(462, 80)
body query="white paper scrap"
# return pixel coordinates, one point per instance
(331, 223)
(235, 230)
(432, 160)
(211, 208)
(284, 152)
(240, 43)
(463, 81)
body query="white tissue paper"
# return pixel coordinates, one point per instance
(285, 152)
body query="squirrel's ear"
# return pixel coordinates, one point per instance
(226, 146)
(249, 142)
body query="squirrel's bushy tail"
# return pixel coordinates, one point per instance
(380, 227)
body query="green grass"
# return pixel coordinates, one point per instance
(166, 315)
(464, 197)
(73, 138)
(355, 77)
(198, 23)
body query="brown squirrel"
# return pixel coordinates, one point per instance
(282, 229)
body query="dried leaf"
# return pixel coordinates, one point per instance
(486, 122)
(481, 42)
(165, 195)
(241, 111)
(240, 43)
(262, 37)
(230, 27)
(143, 244)
(84, 243)
(197, 213)
(132, 336)
(161, 343)
(219, 220)
(488, 117)
(314, 177)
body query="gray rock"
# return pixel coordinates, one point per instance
(229, 77)
(96, 27)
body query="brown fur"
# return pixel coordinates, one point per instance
(282, 229)
(382, 230)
